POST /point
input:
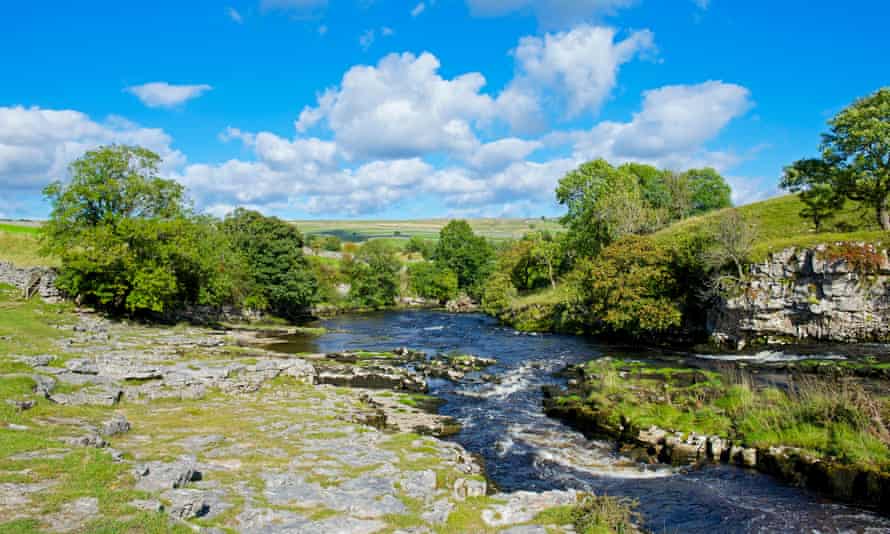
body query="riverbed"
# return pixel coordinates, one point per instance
(525, 450)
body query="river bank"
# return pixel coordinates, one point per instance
(114, 426)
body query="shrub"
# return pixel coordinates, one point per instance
(432, 281)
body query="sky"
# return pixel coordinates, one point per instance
(388, 109)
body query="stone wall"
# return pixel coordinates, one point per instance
(809, 294)
(36, 280)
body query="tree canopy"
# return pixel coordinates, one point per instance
(469, 256)
(855, 162)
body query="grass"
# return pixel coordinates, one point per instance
(779, 226)
(428, 228)
(831, 418)
(13, 228)
(20, 245)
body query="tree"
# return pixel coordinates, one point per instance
(629, 289)
(419, 245)
(127, 240)
(282, 279)
(374, 275)
(813, 180)
(432, 281)
(468, 255)
(733, 238)
(708, 190)
(857, 147)
(498, 294)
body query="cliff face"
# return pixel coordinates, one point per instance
(829, 293)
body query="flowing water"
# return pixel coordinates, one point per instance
(525, 450)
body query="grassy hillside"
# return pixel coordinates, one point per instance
(779, 226)
(428, 228)
(21, 246)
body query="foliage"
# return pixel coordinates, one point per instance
(330, 243)
(812, 179)
(374, 275)
(605, 203)
(599, 513)
(733, 238)
(469, 256)
(280, 277)
(498, 294)
(419, 245)
(430, 280)
(708, 191)
(857, 146)
(855, 162)
(127, 241)
(629, 288)
(863, 258)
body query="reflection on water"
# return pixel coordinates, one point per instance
(524, 449)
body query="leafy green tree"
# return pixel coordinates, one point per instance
(281, 277)
(652, 183)
(857, 147)
(419, 245)
(469, 256)
(498, 293)
(127, 241)
(629, 289)
(605, 203)
(432, 281)
(374, 275)
(813, 180)
(331, 243)
(708, 190)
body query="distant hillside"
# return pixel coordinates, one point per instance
(779, 225)
(428, 228)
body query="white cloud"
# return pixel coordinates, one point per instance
(165, 95)
(37, 145)
(580, 66)
(672, 127)
(400, 108)
(702, 4)
(234, 15)
(386, 31)
(551, 13)
(418, 9)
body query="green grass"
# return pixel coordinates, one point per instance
(834, 418)
(428, 228)
(23, 247)
(779, 226)
(19, 228)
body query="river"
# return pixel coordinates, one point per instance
(525, 450)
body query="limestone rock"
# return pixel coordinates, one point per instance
(114, 426)
(524, 506)
(469, 487)
(160, 476)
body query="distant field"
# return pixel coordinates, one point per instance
(428, 228)
(20, 227)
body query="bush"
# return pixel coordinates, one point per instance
(419, 245)
(432, 281)
(374, 274)
(127, 241)
(469, 256)
(629, 289)
(279, 273)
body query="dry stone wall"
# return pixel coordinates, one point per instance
(33, 280)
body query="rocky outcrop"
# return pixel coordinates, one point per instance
(835, 292)
(31, 281)
(462, 304)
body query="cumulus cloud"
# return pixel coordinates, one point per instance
(550, 13)
(580, 66)
(418, 9)
(401, 108)
(37, 145)
(672, 127)
(165, 95)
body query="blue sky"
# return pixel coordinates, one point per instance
(392, 109)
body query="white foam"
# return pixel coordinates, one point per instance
(770, 357)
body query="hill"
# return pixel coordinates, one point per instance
(779, 226)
